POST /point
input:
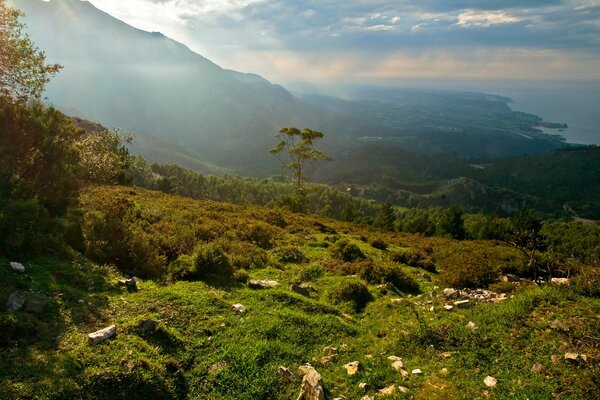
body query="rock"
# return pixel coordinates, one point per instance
(239, 308)
(17, 267)
(16, 300)
(102, 335)
(330, 351)
(537, 368)
(130, 284)
(367, 398)
(472, 326)
(490, 381)
(217, 367)
(302, 289)
(448, 307)
(286, 373)
(450, 293)
(311, 388)
(554, 358)
(416, 371)
(341, 398)
(326, 360)
(387, 391)
(36, 302)
(364, 386)
(574, 358)
(394, 358)
(444, 371)
(397, 300)
(560, 281)
(402, 389)
(147, 326)
(398, 365)
(262, 284)
(404, 373)
(510, 278)
(431, 308)
(352, 367)
(461, 303)
(446, 354)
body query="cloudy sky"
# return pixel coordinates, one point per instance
(381, 40)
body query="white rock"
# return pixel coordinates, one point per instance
(472, 326)
(102, 335)
(450, 293)
(416, 371)
(448, 307)
(352, 367)
(262, 284)
(394, 358)
(461, 303)
(490, 381)
(238, 308)
(387, 391)
(17, 267)
(311, 388)
(560, 281)
(431, 308)
(398, 365)
(402, 389)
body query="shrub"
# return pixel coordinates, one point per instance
(290, 254)
(257, 233)
(211, 260)
(241, 276)
(354, 293)
(311, 273)
(587, 283)
(418, 258)
(381, 273)
(379, 244)
(245, 255)
(183, 268)
(347, 251)
(468, 269)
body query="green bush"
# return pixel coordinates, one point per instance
(379, 244)
(347, 251)
(381, 273)
(415, 258)
(311, 273)
(183, 268)
(469, 269)
(290, 254)
(352, 292)
(211, 260)
(241, 276)
(587, 282)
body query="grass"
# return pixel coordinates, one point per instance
(202, 349)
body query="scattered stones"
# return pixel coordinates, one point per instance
(448, 307)
(560, 281)
(416, 371)
(490, 381)
(326, 360)
(102, 335)
(286, 373)
(474, 295)
(387, 391)
(130, 284)
(450, 293)
(311, 388)
(17, 267)
(537, 368)
(302, 289)
(352, 367)
(461, 303)
(36, 302)
(217, 367)
(262, 284)
(574, 358)
(16, 300)
(330, 351)
(239, 308)
(472, 326)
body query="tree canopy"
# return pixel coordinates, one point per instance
(23, 69)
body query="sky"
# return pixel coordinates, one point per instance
(365, 41)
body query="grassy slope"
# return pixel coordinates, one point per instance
(48, 356)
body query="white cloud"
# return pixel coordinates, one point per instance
(478, 18)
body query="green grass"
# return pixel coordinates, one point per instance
(202, 349)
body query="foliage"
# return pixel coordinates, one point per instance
(388, 273)
(352, 292)
(465, 268)
(347, 251)
(104, 159)
(23, 69)
(290, 254)
(386, 217)
(299, 147)
(451, 224)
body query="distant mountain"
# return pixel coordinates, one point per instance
(163, 92)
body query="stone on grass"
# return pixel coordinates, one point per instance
(461, 303)
(510, 278)
(239, 308)
(352, 367)
(364, 386)
(490, 381)
(330, 351)
(311, 388)
(448, 307)
(367, 398)
(444, 371)
(17, 267)
(450, 293)
(218, 367)
(416, 371)
(446, 354)
(537, 368)
(302, 289)
(472, 326)
(398, 365)
(560, 281)
(36, 302)
(147, 326)
(402, 389)
(387, 391)
(326, 360)
(574, 358)
(285, 373)
(262, 284)
(16, 300)
(130, 284)
(101, 335)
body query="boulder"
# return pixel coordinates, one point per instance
(17, 267)
(239, 308)
(490, 381)
(101, 335)
(262, 284)
(352, 367)
(311, 388)
(36, 302)
(16, 300)
(302, 289)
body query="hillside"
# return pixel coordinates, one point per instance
(180, 338)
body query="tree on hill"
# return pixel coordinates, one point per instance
(299, 154)
(23, 69)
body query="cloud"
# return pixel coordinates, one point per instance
(485, 18)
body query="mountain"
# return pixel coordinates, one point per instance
(181, 106)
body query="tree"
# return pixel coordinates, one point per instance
(451, 223)
(23, 69)
(386, 217)
(299, 147)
